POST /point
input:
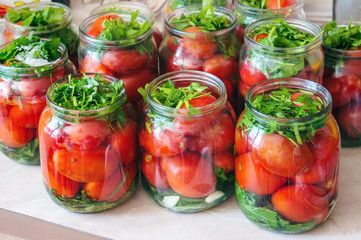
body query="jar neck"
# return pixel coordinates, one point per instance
(70, 115)
(183, 79)
(218, 11)
(269, 13)
(318, 119)
(126, 16)
(303, 25)
(15, 74)
(40, 30)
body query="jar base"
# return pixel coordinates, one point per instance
(28, 154)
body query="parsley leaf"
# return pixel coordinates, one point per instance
(345, 37)
(262, 4)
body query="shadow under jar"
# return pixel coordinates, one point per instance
(259, 61)
(187, 162)
(133, 60)
(89, 157)
(63, 29)
(22, 99)
(192, 48)
(287, 166)
(342, 78)
(248, 13)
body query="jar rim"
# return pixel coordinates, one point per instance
(298, 5)
(194, 9)
(31, 71)
(84, 114)
(44, 29)
(189, 76)
(109, 44)
(307, 26)
(294, 83)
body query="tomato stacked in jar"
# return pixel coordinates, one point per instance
(342, 77)
(88, 141)
(280, 48)
(28, 67)
(119, 44)
(187, 139)
(202, 39)
(288, 148)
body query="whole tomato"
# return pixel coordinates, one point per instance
(152, 170)
(181, 61)
(224, 160)
(91, 65)
(243, 88)
(251, 75)
(14, 136)
(219, 66)
(124, 61)
(189, 175)
(349, 119)
(278, 4)
(200, 46)
(252, 176)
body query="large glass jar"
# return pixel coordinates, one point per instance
(64, 29)
(132, 60)
(247, 15)
(342, 77)
(187, 162)
(22, 99)
(89, 157)
(214, 52)
(132, 6)
(287, 168)
(259, 62)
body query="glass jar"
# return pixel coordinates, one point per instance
(88, 158)
(22, 99)
(135, 61)
(187, 162)
(64, 30)
(175, 4)
(247, 15)
(259, 62)
(287, 168)
(132, 6)
(342, 77)
(218, 55)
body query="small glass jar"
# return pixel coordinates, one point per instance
(135, 61)
(187, 162)
(342, 78)
(287, 168)
(22, 99)
(132, 6)
(247, 15)
(214, 52)
(88, 158)
(64, 30)
(259, 62)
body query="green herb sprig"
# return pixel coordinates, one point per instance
(39, 18)
(345, 37)
(261, 4)
(87, 93)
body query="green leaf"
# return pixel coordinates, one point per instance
(39, 18)
(345, 37)
(262, 4)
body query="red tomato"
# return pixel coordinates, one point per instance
(243, 88)
(152, 170)
(229, 88)
(5, 109)
(124, 61)
(262, 35)
(157, 37)
(251, 75)
(85, 135)
(90, 65)
(252, 176)
(189, 175)
(219, 66)
(27, 114)
(172, 43)
(62, 185)
(124, 141)
(241, 140)
(86, 166)
(34, 86)
(201, 46)
(349, 119)
(352, 66)
(107, 190)
(136, 80)
(178, 62)
(240, 32)
(301, 203)
(97, 26)
(224, 160)
(343, 89)
(162, 142)
(14, 136)
(280, 156)
(278, 4)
